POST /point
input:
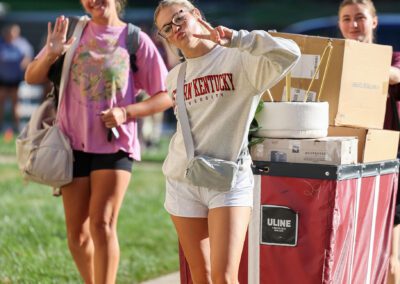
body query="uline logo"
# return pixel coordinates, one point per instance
(279, 223)
(278, 226)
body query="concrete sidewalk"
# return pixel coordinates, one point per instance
(173, 278)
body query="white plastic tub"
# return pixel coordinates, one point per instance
(293, 120)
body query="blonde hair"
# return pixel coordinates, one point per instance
(120, 6)
(166, 3)
(370, 5)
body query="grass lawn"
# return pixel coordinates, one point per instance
(33, 246)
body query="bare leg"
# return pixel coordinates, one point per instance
(3, 93)
(108, 189)
(193, 237)
(13, 92)
(227, 227)
(76, 196)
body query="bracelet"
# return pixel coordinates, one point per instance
(124, 114)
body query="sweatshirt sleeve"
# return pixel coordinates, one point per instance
(265, 59)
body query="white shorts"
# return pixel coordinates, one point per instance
(185, 200)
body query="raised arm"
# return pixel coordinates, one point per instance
(394, 75)
(56, 45)
(266, 59)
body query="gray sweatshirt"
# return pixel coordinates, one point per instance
(222, 90)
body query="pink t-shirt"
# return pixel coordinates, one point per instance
(100, 78)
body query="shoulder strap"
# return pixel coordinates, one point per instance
(54, 73)
(182, 112)
(132, 40)
(71, 26)
(132, 44)
(68, 56)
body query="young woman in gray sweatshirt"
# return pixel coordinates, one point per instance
(227, 72)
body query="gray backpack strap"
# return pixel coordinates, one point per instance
(77, 33)
(71, 26)
(132, 39)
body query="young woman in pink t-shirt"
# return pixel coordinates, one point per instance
(99, 96)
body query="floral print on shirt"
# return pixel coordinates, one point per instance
(100, 70)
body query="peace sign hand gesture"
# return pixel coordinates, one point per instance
(57, 43)
(221, 35)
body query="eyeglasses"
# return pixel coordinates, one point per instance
(177, 20)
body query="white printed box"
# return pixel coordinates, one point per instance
(328, 151)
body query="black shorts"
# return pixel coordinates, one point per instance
(84, 163)
(10, 84)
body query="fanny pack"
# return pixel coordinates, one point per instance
(202, 170)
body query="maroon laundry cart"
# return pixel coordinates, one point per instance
(318, 224)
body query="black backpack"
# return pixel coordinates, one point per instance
(54, 74)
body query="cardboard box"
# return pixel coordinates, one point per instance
(373, 144)
(356, 82)
(328, 150)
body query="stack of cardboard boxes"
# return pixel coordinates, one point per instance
(356, 85)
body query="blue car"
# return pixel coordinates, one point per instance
(388, 31)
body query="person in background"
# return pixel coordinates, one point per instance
(100, 95)
(358, 21)
(15, 54)
(227, 72)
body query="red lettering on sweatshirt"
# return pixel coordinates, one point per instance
(208, 85)
(188, 95)
(210, 80)
(201, 85)
(230, 76)
(188, 92)
(195, 88)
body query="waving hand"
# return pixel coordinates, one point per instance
(221, 35)
(57, 43)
